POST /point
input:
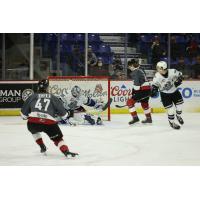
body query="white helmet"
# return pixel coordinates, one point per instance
(161, 65)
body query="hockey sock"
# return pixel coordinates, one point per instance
(147, 109)
(171, 118)
(133, 112)
(178, 110)
(131, 105)
(38, 138)
(170, 112)
(61, 145)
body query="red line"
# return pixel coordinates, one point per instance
(109, 117)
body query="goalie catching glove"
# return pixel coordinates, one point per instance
(98, 105)
(101, 106)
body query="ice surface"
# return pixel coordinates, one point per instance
(113, 144)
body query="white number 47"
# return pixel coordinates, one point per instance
(39, 104)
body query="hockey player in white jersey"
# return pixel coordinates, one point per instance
(75, 101)
(166, 81)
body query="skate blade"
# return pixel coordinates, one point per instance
(44, 153)
(72, 157)
(136, 123)
(147, 124)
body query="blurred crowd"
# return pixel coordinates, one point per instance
(64, 54)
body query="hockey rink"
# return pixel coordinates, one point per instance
(113, 144)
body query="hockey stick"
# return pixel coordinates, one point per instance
(118, 106)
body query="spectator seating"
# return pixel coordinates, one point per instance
(79, 37)
(69, 40)
(107, 59)
(94, 38)
(66, 38)
(104, 49)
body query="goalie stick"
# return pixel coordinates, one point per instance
(107, 104)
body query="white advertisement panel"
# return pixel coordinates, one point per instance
(121, 90)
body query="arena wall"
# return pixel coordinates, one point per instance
(12, 95)
(121, 90)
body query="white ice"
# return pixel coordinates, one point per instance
(113, 144)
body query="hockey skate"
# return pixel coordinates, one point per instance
(180, 119)
(69, 154)
(43, 148)
(134, 120)
(148, 120)
(99, 121)
(174, 125)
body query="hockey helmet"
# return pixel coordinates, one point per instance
(43, 85)
(76, 91)
(162, 65)
(133, 63)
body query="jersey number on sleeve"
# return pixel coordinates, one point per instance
(39, 104)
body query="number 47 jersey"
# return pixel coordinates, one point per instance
(43, 108)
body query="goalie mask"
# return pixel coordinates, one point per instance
(162, 67)
(76, 91)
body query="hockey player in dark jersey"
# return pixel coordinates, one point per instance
(40, 109)
(166, 81)
(140, 93)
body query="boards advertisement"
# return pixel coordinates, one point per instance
(13, 94)
(121, 91)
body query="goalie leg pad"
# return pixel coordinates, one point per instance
(89, 119)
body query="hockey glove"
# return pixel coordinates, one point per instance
(154, 91)
(178, 81)
(24, 117)
(69, 113)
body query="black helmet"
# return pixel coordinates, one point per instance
(43, 85)
(134, 61)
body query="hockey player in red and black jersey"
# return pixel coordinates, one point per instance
(40, 109)
(140, 93)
